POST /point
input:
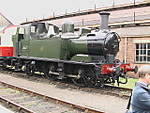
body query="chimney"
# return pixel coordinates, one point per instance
(104, 20)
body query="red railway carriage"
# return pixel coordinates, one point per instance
(6, 44)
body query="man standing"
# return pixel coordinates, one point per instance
(140, 99)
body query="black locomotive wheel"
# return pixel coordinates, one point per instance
(81, 82)
(46, 73)
(29, 70)
(87, 78)
(90, 77)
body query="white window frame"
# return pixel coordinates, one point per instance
(141, 54)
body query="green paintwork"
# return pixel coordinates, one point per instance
(14, 39)
(81, 58)
(49, 47)
(76, 46)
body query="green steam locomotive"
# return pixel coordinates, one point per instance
(87, 58)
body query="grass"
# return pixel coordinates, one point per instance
(130, 83)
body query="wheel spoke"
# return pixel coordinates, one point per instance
(87, 78)
(79, 82)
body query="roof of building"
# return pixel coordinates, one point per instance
(119, 14)
(4, 21)
(133, 31)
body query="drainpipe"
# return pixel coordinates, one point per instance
(125, 51)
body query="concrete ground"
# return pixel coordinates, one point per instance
(106, 103)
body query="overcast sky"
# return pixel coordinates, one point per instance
(18, 10)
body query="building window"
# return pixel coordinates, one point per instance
(142, 52)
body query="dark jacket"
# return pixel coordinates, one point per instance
(140, 100)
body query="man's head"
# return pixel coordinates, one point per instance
(144, 73)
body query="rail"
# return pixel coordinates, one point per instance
(48, 98)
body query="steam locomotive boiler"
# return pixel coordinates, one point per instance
(39, 47)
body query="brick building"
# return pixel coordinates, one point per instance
(134, 45)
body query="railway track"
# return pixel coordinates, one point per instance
(106, 90)
(27, 101)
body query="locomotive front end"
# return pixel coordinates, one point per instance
(102, 46)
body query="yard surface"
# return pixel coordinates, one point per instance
(106, 103)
